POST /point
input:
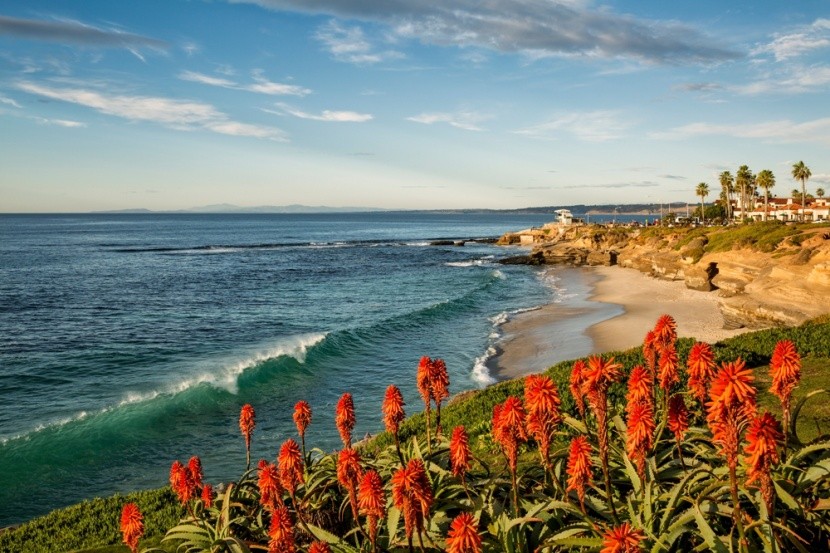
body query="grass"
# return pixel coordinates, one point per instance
(92, 526)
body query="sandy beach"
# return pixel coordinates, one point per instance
(620, 307)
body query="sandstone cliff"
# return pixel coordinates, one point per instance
(764, 274)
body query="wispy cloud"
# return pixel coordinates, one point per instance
(792, 79)
(60, 122)
(546, 28)
(9, 102)
(349, 44)
(817, 130)
(672, 177)
(467, 120)
(261, 85)
(590, 126)
(698, 87)
(172, 113)
(327, 115)
(798, 42)
(637, 184)
(78, 33)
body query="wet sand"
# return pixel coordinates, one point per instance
(604, 309)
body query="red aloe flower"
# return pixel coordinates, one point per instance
(291, 465)
(460, 453)
(668, 367)
(785, 368)
(281, 532)
(247, 422)
(182, 482)
(132, 526)
(640, 433)
(701, 368)
(509, 428)
(678, 421)
(270, 487)
(650, 352)
(302, 417)
(319, 547)
(412, 495)
(576, 383)
(393, 413)
(372, 502)
(579, 467)
(763, 438)
(349, 473)
(344, 418)
(195, 468)
(622, 539)
(541, 396)
(463, 536)
(639, 386)
(439, 381)
(600, 375)
(665, 330)
(207, 496)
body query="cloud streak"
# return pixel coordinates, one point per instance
(640, 184)
(75, 32)
(466, 120)
(349, 44)
(590, 126)
(783, 131)
(175, 114)
(795, 44)
(327, 115)
(261, 85)
(517, 26)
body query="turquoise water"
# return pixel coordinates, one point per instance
(128, 341)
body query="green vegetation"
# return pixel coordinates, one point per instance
(92, 526)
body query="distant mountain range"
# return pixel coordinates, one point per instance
(297, 208)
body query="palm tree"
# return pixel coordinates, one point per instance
(726, 184)
(802, 172)
(702, 190)
(766, 180)
(820, 192)
(743, 179)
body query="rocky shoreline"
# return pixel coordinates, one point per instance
(783, 287)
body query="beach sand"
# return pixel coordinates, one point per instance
(619, 307)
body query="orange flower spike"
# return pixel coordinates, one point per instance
(349, 470)
(344, 418)
(785, 368)
(421, 488)
(195, 468)
(513, 417)
(370, 497)
(270, 488)
(302, 417)
(423, 380)
(291, 465)
(412, 495)
(701, 368)
(732, 387)
(132, 526)
(601, 373)
(319, 547)
(665, 330)
(439, 380)
(182, 482)
(207, 496)
(668, 367)
(622, 539)
(463, 536)
(579, 466)
(576, 382)
(640, 433)
(393, 413)
(678, 421)
(541, 396)
(281, 532)
(460, 454)
(650, 351)
(247, 422)
(763, 438)
(639, 386)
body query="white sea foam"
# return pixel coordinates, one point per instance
(471, 262)
(481, 374)
(498, 274)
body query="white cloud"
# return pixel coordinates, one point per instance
(590, 126)
(349, 44)
(794, 79)
(60, 122)
(791, 45)
(328, 116)
(467, 120)
(9, 102)
(260, 86)
(176, 114)
(785, 131)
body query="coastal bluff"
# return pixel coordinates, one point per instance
(765, 274)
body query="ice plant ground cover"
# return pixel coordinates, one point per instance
(646, 463)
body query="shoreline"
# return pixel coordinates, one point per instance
(613, 310)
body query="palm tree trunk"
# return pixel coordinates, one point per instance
(803, 201)
(766, 203)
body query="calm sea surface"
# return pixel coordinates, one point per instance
(128, 341)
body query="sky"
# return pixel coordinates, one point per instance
(404, 104)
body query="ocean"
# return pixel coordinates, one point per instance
(129, 341)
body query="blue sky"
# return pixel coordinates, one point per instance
(169, 104)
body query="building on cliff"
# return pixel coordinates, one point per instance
(786, 209)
